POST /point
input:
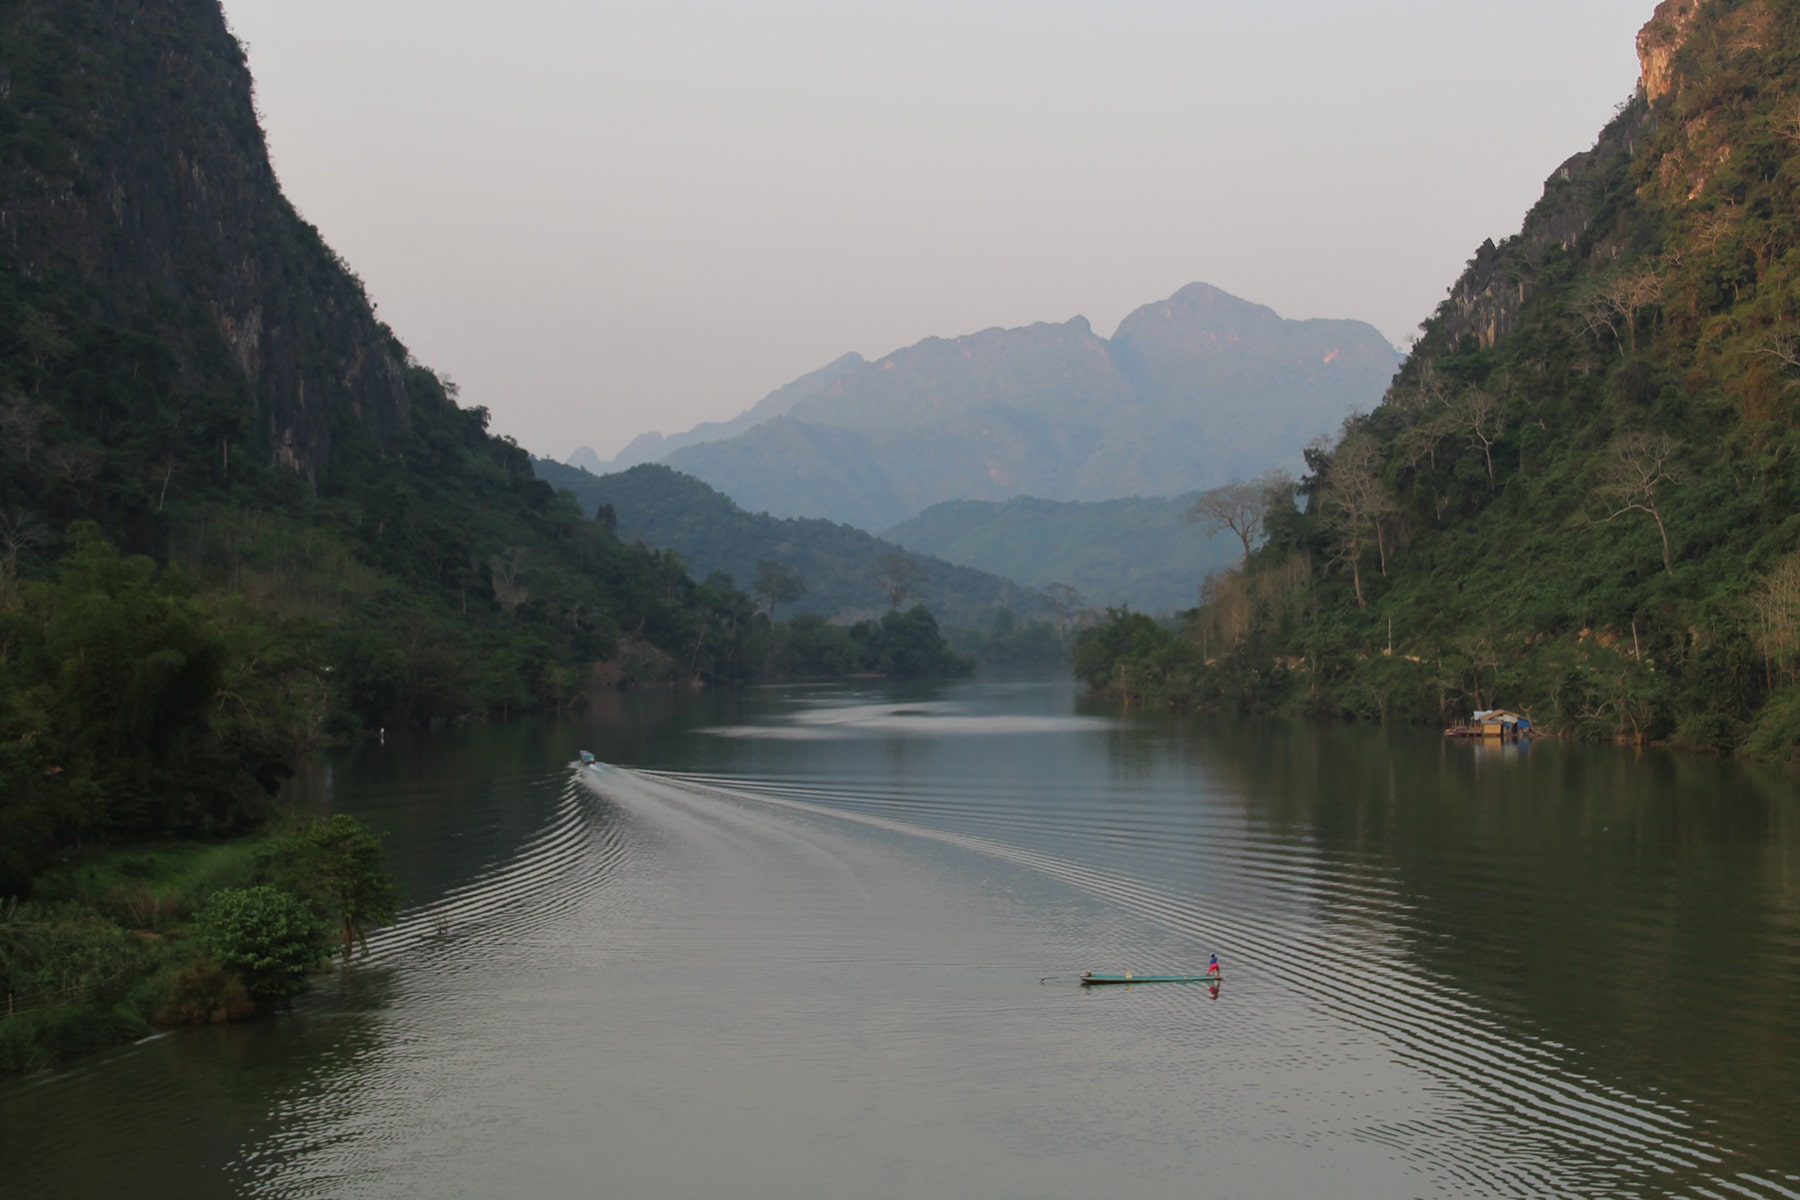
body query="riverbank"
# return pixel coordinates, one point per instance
(115, 943)
(1602, 689)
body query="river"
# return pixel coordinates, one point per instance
(793, 942)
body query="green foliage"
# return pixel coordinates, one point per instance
(62, 955)
(1775, 735)
(1006, 643)
(906, 645)
(809, 647)
(839, 566)
(268, 938)
(777, 583)
(901, 645)
(1132, 657)
(131, 708)
(1578, 495)
(335, 864)
(35, 1040)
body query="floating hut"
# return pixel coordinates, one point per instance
(1493, 723)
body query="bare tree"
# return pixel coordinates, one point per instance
(1477, 415)
(77, 466)
(508, 568)
(20, 532)
(1781, 344)
(1640, 469)
(1241, 506)
(1419, 441)
(1715, 226)
(22, 421)
(1616, 305)
(1777, 600)
(1356, 505)
(1787, 120)
(898, 576)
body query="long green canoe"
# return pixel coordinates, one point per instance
(1093, 977)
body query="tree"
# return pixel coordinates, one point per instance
(1355, 503)
(777, 583)
(1241, 506)
(506, 571)
(23, 421)
(1777, 600)
(1641, 467)
(898, 576)
(269, 938)
(1476, 414)
(20, 532)
(336, 865)
(1615, 305)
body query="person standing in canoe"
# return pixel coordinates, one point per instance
(1212, 968)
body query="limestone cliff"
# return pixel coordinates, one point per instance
(1484, 304)
(133, 173)
(1658, 42)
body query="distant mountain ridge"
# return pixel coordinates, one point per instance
(1189, 392)
(1138, 553)
(839, 565)
(648, 447)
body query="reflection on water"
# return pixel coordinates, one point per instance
(789, 942)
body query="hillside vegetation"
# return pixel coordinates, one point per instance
(1578, 499)
(237, 518)
(236, 515)
(843, 570)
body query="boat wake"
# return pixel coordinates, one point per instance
(1542, 1126)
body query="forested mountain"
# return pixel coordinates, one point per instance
(1189, 392)
(1579, 498)
(1145, 554)
(843, 570)
(234, 512)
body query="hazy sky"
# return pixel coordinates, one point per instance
(603, 218)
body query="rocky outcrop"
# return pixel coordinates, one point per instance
(134, 171)
(1484, 304)
(1659, 41)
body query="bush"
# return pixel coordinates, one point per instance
(204, 993)
(1775, 737)
(266, 937)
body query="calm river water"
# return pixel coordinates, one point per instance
(789, 944)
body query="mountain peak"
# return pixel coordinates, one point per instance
(1192, 391)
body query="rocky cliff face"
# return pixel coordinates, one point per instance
(133, 170)
(1658, 42)
(1484, 304)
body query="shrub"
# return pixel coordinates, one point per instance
(204, 993)
(266, 937)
